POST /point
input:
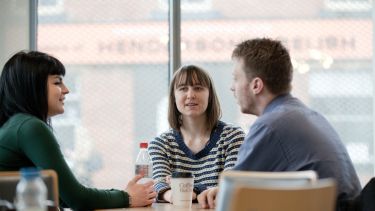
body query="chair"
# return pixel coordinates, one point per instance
(317, 196)
(229, 180)
(9, 180)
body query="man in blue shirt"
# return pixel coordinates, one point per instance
(287, 136)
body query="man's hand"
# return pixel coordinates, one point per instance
(207, 198)
(140, 194)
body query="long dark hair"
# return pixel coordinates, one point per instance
(23, 84)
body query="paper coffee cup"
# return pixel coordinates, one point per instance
(182, 184)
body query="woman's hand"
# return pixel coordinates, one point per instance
(167, 196)
(194, 196)
(168, 179)
(140, 194)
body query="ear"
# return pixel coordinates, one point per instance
(257, 85)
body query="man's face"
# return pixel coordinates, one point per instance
(241, 88)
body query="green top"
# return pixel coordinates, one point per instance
(27, 141)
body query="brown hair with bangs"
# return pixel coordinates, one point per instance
(191, 75)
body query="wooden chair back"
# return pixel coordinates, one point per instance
(229, 180)
(318, 196)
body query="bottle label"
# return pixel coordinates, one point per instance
(143, 169)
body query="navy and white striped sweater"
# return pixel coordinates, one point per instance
(169, 153)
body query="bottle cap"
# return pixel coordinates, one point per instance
(30, 172)
(182, 175)
(143, 145)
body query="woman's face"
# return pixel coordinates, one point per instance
(56, 95)
(191, 100)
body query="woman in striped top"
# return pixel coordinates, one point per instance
(198, 141)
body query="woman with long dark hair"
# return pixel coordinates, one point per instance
(31, 92)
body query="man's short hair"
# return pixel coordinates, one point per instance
(269, 60)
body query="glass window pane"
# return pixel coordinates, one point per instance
(116, 56)
(330, 43)
(15, 28)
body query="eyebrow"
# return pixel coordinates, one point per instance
(58, 77)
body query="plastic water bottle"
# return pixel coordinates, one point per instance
(143, 163)
(31, 192)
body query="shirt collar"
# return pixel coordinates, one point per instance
(276, 101)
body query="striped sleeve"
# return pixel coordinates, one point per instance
(160, 165)
(235, 137)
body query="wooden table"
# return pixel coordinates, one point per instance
(163, 207)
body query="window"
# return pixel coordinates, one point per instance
(348, 5)
(117, 73)
(50, 7)
(116, 55)
(193, 6)
(331, 56)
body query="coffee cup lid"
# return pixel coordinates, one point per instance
(182, 175)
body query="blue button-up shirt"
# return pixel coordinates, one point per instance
(289, 136)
